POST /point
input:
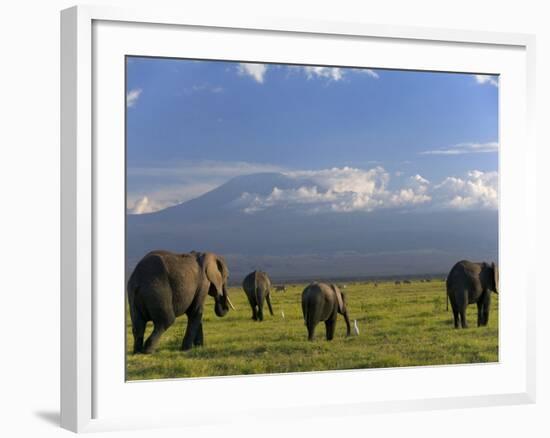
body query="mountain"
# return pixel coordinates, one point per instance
(294, 242)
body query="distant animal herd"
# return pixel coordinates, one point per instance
(165, 285)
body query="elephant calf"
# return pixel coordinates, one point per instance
(165, 285)
(323, 302)
(257, 287)
(469, 283)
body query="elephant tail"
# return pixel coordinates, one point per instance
(304, 311)
(132, 290)
(258, 294)
(134, 301)
(447, 287)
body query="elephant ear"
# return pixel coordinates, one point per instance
(339, 298)
(214, 271)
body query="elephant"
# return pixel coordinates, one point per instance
(257, 287)
(165, 285)
(469, 283)
(323, 302)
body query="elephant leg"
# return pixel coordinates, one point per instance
(486, 306)
(193, 323)
(154, 338)
(199, 338)
(463, 318)
(268, 301)
(259, 295)
(260, 312)
(479, 313)
(310, 330)
(456, 318)
(138, 330)
(330, 325)
(253, 305)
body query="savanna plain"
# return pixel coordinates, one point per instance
(399, 325)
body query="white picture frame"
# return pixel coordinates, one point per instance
(92, 100)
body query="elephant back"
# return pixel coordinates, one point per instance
(319, 298)
(150, 268)
(463, 270)
(466, 276)
(256, 279)
(165, 272)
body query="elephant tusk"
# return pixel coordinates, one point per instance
(230, 303)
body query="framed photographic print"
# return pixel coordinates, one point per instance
(257, 208)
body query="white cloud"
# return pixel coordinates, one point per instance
(167, 184)
(340, 190)
(255, 71)
(332, 73)
(144, 205)
(486, 79)
(258, 71)
(132, 96)
(419, 180)
(477, 190)
(350, 189)
(465, 148)
(368, 72)
(345, 189)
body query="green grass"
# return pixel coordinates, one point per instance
(404, 325)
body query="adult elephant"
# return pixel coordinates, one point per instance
(469, 283)
(257, 287)
(165, 285)
(323, 302)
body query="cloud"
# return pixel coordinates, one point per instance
(368, 72)
(419, 180)
(255, 71)
(144, 205)
(464, 148)
(132, 97)
(258, 71)
(332, 73)
(340, 190)
(166, 184)
(487, 79)
(349, 189)
(477, 190)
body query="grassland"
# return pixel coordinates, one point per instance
(400, 325)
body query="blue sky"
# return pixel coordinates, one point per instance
(192, 125)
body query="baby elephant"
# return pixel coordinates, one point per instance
(323, 302)
(257, 287)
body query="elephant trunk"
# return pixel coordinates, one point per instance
(348, 327)
(221, 307)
